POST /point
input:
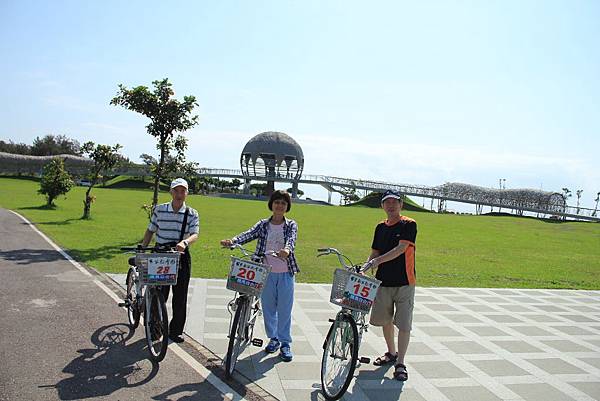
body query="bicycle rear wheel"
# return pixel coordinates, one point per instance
(156, 322)
(133, 311)
(340, 354)
(238, 335)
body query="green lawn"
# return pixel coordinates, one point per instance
(452, 250)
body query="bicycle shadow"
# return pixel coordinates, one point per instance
(386, 391)
(111, 365)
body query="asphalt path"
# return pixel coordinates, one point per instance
(62, 336)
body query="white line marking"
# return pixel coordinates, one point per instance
(187, 358)
(211, 378)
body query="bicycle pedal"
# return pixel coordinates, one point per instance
(364, 359)
(257, 342)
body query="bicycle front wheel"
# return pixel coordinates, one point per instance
(133, 311)
(237, 335)
(156, 322)
(340, 354)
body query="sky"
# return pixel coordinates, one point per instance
(407, 92)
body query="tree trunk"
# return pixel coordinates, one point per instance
(87, 203)
(158, 172)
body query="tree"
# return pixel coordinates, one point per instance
(167, 116)
(15, 148)
(299, 193)
(55, 180)
(55, 145)
(348, 196)
(578, 192)
(105, 157)
(596, 207)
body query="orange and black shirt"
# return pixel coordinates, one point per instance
(400, 271)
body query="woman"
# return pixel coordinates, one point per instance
(276, 234)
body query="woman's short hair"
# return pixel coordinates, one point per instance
(279, 194)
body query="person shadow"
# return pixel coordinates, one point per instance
(111, 365)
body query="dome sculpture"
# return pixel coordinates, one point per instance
(272, 155)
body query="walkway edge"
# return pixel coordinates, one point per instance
(187, 358)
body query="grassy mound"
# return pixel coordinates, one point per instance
(374, 200)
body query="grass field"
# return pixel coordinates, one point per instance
(452, 250)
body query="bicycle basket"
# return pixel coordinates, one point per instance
(157, 268)
(353, 291)
(247, 277)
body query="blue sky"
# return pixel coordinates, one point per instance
(409, 92)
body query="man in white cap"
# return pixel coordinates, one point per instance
(176, 225)
(393, 255)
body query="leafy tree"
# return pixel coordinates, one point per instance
(578, 192)
(105, 157)
(15, 148)
(348, 196)
(55, 180)
(299, 193)
(55, 145)
(596, 207)
(258, 189)
(167, 116)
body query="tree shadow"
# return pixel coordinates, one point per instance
(103, 252)
(29, 256)
(58, 223)
(111, 365)
(42, 207)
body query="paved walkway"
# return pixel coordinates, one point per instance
(467, 344)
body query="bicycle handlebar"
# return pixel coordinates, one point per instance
(357, 268)
(245, 251)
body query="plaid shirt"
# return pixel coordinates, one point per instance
(260, 231)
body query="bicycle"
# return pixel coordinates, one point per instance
(247, 278)
(147, 272)
(355, 293)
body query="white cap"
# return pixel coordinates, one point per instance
(179, 182)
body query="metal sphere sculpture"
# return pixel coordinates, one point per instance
(272, 155)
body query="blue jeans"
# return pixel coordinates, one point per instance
(277, 300)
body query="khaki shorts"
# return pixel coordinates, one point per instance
(402, 299)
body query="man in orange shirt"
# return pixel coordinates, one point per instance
(393, 255)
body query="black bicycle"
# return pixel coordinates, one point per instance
(355, 293)
(147, 273)
(247, 278)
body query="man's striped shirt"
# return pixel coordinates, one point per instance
(167, 224)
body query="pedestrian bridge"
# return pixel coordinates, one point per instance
(549, 204)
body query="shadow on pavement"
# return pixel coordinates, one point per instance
(29, 256)
(192, 391)
(112, 365)
(103, 252)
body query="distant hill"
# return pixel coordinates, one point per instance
(374, 200)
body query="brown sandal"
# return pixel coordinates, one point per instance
(385, 359)
(400, 372)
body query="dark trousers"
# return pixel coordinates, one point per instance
(180, 291)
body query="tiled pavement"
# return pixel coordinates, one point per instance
(467, 344)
